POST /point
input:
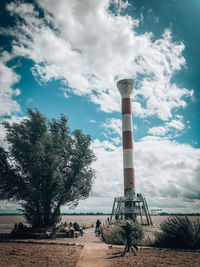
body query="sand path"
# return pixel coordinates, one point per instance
(94, 253)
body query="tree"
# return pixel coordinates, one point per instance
(46, 166)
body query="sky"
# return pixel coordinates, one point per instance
(65, 57)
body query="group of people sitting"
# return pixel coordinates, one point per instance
(70, 229)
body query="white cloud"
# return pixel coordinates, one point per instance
(8, 78)
(108, 183)
(8, 105)
(113, 130)
(113, 126)
(171, 169)
(170, 129)
(93, 121)
(91, 48)
(158, 130)
(176, 124)
(115, 140)
(167, 173)
(120, 5)
(12, 119)
(2, 136)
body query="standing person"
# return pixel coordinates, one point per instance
(98, 223)
(128, 245)
(16, 229)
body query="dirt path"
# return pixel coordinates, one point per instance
(94, 253)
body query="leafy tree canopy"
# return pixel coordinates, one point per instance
(46, 166)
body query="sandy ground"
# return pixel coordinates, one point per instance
(25, 254)
(93, 253)
(154, 257)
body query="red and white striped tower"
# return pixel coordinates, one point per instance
(126, 87)
(129, 206)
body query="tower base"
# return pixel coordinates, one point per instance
(131, 207)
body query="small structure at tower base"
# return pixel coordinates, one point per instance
(131, 207)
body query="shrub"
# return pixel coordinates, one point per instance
(114, 234)
(179, 232)
(86, 225)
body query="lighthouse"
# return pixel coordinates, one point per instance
(131, 205)
(125, 88)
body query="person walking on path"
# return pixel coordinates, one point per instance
(128, 243)
(98, 223)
